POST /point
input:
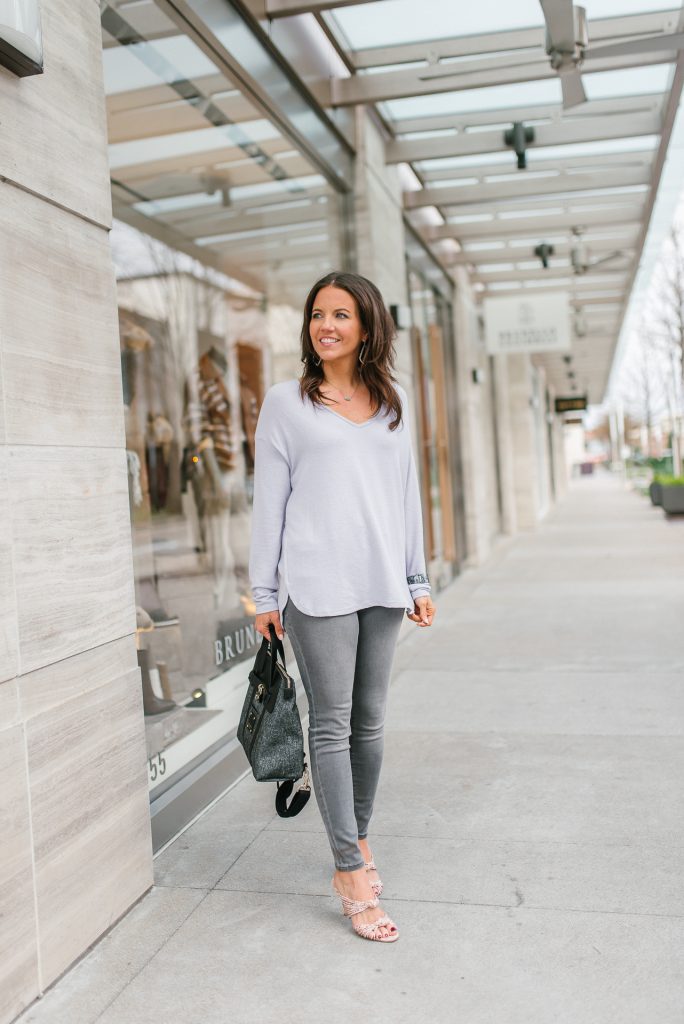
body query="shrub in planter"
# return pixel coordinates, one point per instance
(672, 494)
(655, 490)
(661, 466)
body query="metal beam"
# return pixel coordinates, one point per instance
(574, 181)
(603, 29)
(200, 222)
(209, 161)
(518, 254)
(613, 278)
(151, 95)
(262, 238)
(277, 254)
(582, 295)
(187, 184)
(500, 172)
(587, 294)
(286, 8)
(146, 19)
(594, 233)
(544, 225)
(525, 213)
(238, 175)
(637, 104)
(468, 144)
(486, 73)
(496, 256)
(172, 116)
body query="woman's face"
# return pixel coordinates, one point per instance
(335, 328)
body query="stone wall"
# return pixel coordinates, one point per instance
(75, 848)
(525, 464)
(478, 428)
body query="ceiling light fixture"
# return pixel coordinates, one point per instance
(519, 138)
(543, 251)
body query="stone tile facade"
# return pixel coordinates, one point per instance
(75, 849)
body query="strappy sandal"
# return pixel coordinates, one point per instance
(369, 930)
(376, 886)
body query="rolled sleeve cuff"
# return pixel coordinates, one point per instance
(267, 602)
(419, 585)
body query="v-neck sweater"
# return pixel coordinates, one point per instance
(337, 521)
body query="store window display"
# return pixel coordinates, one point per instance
(224, 211)
(192, 396)
(440, 475)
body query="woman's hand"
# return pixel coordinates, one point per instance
(423, 611)
(262, 621)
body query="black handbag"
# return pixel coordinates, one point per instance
(270, 728)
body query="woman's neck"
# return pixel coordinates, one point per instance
(343, 382)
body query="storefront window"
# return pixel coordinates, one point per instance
(221, 227)
(432, 350)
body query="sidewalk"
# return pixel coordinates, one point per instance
(528, 824)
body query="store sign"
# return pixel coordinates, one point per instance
(527, 323)
(236, 643)
(572, 404)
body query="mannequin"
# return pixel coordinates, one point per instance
(219, 493)
(158, 438)
(249, 407)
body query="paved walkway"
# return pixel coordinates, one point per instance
(528, 824)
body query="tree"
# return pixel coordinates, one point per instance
(643, 386)
(666, 321)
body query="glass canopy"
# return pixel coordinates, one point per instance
(392, 22)
(233, 138)
(588, 174)
(199, 163)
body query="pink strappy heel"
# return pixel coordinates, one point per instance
(376, 886)
(369, 930)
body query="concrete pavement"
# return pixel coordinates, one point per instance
(528, 824)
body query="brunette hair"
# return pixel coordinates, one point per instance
(376, 372)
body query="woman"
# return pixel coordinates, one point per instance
(337, 555)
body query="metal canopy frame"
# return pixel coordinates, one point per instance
(594, 168)
(203, 156)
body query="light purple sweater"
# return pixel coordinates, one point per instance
(337, 521)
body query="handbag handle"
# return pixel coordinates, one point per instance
(275, 648)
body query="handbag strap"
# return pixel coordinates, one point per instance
(299, 800)
(275, 648)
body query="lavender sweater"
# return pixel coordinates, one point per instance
(337, 521)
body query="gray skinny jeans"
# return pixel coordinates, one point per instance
(345, 662)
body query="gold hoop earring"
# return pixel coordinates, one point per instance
(362, 352)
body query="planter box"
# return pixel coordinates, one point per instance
(673, 499)
(656, 492)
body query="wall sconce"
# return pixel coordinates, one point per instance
(401, 316)
(21, 43)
